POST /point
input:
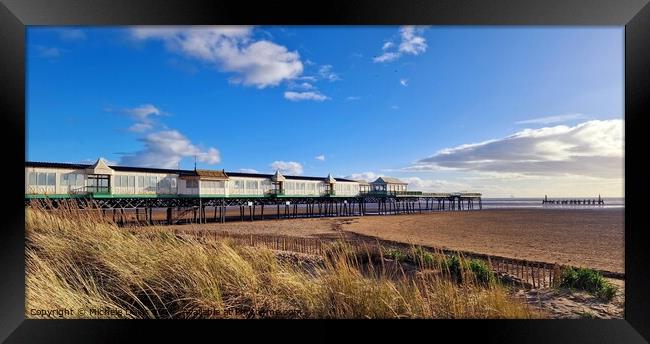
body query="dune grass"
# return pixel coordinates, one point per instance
(589, 280)
(78, 260)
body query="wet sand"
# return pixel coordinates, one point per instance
(591, 238)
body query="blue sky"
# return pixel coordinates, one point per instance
(502, 110)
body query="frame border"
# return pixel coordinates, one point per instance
(15, 15)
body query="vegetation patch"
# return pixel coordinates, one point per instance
(588, 280)
(79, 260)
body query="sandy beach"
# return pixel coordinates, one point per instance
(591, 238)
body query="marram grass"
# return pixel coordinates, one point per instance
(78, 261)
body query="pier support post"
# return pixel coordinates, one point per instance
(169, 216)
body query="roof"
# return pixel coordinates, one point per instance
(330, 179)
(362, 182)
(212, 174)
(278, 177)
(114, 167)
(169, 171)
(99, 167)
(388, 180)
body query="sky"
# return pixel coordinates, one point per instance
(506, 111)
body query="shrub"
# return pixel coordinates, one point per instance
(589, 280)
(454, 267)
(423, 257)
(396, 255)
(481, 271)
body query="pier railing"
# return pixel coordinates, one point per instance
(91, 190)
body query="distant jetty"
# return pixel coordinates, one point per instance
(584, 201)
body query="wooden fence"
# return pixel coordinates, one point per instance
(531, 274)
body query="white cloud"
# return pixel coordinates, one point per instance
(49, 52)
(260, 63)
(301, 86)
(553, 119)
(404, 82)
(320, 157)
(287, 167)
(326, 73)
(351, 98)
(140, 127)
(165, 149)
(298, 96)
(411, 42)
(141, 115)
(435, 185)
(307, 78)
(248, 170)
(592, 149)
(72, 34)
(367, 176)
(142, 112)
(386, 57)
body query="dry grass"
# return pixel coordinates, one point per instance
(78, 260)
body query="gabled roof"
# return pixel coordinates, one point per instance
(330, 179)
(362, 182)
(212, 174)
(278, 177)
(388, 180)
(99, 167)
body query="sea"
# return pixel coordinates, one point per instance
(536, 203)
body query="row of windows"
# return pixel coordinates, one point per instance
(125, 181)
(72, 179)
(41, 179)
(343, 187)
(300, 186)
(169, 183)
(144, 182)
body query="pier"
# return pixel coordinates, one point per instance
(573, 202)
(175, 210)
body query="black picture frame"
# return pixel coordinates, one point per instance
(15, 15)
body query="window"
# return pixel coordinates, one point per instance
(140, 181)
(51, 179)
(64, 179)
(131, 181)
(153, 181)
(238, 184)
(172, 183)
(192, 184)
(251, 185)
(79, 179)
(32, 178)
(41, 178)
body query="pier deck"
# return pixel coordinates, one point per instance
(205, 209)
